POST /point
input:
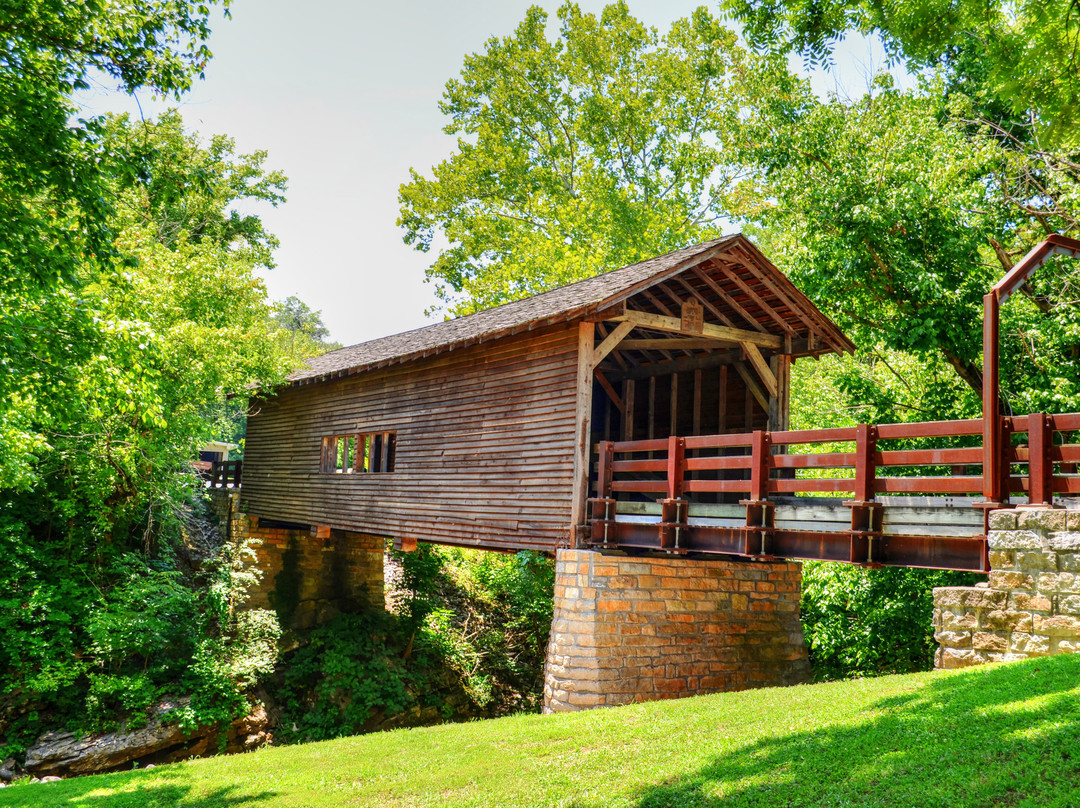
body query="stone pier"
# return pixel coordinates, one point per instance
(1031, 604)
(630, 629)
(306, 578)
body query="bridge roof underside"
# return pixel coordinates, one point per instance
(734, 283)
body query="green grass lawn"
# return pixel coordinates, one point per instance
(1003, 735)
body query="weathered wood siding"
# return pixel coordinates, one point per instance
(485, 439)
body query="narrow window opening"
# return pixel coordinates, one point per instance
(365, 453)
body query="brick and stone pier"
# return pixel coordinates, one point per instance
(307, 578)
(630, 629)
(1031, 604)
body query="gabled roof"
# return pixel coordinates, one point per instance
(746, 289)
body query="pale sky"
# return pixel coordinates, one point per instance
(344, 97)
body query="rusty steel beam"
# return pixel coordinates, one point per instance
(930, 552)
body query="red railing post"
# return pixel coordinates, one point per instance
(865, 468)
(673, 509)
(676, 466)
(866, 514)
(1040, 465)
(760, 464)
(603, 476)
(759, 513)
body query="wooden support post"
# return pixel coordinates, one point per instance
(697, 402)
(780, 404)
(628, 413)
(603, 477)
(405, 544)
(582, 429)
(1040, 464)
(652, 408)
(721, 415)
(602, 509)
(674, 419)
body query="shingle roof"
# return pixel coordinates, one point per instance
(557, 305)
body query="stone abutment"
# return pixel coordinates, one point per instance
(1031, 604)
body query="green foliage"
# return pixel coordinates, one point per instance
(604, 146)
(468, 637)
(1018, 59)
(881, 214)
(861, 622)
(358, 668)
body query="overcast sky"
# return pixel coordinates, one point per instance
(344, 97)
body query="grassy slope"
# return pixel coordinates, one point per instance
(1004, 735)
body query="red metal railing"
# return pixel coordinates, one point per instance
(760, 465)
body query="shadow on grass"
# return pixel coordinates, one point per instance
(145, 789)
(1006, 735)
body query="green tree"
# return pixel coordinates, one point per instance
(608, 145)
(55, 205)
(168, 324)
(1018, 60)
(301, 331)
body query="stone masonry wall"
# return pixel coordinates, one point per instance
(306, 579)
(637, 629)
(1031, 604)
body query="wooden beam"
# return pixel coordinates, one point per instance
(731, 301)
(753, 385)
(697, 402)
(684, 365)
(405, 544)
(657, 302)
(721, 415)
(615, 399)
(674, 419)
(780, 406)
(674, 343)
(762, 368)
(652, 407)
(717, 332)
(582, 425)
(733, 273)
(610, 341)
(628, 414)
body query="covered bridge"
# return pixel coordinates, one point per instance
(477, 431)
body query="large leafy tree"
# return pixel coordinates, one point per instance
(56, 194)
(884, 216)
(166, 326)
(606, 145)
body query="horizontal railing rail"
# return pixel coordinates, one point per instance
(225, 473)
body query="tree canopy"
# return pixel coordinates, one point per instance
(604, 146)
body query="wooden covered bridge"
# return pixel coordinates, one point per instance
(645, 409)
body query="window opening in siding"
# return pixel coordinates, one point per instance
(358, 454)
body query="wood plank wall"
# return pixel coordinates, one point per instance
(484, 447)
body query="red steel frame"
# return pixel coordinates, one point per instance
(865, 542)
